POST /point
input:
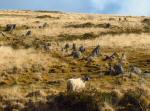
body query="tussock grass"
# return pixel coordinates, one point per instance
(34, 69)
(14, 60)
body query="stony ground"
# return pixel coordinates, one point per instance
(34, 67)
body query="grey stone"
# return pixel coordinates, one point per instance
(136, 70)
(119, 69)
(45, 25)
(10, 27)
(66, 46)
(81, 49)
(96, 51)
(116, 70)
(76, 54)
(74, 47)
(28, 33)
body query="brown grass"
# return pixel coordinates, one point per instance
(27, 69)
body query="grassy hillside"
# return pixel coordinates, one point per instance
(34, 69)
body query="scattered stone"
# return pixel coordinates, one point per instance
(81, 49)
(101, 74)
(74, 48)
(90, 59)
(2, 33)
(147, 75)
(123, 59)
(136, 70)
(10, 27)
(76, 54)
(45, 25)
(67, 46)
(125, 19)
(116, 70)
(107, 25)
(96, 51)
(112, 57)
(40, 27)
(28, 33)
(119, 69)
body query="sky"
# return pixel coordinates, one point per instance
(121, 7)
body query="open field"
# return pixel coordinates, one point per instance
(34, 70)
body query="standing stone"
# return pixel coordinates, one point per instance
(66, 47)
(96, 51)
(136, 70)
(119, 69)
(28, 33)
(81, 49)
(116, 69)
(74, 48)
(76, 54)
(10, 27)
(45, 25)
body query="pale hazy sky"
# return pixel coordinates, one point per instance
(124, 7)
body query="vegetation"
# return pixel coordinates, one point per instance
(47, 16)
(35, 69)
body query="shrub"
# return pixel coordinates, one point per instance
(84, 25)
(84, 36)
(89, 100)
(76, 102)
(146, 20)
(88, 36)
(45, 11)
(132, 102)
(89, 25)
(47, 16)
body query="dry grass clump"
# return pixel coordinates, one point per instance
(37, 94)
(124, 40)
(11, 93)
(11, 98)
